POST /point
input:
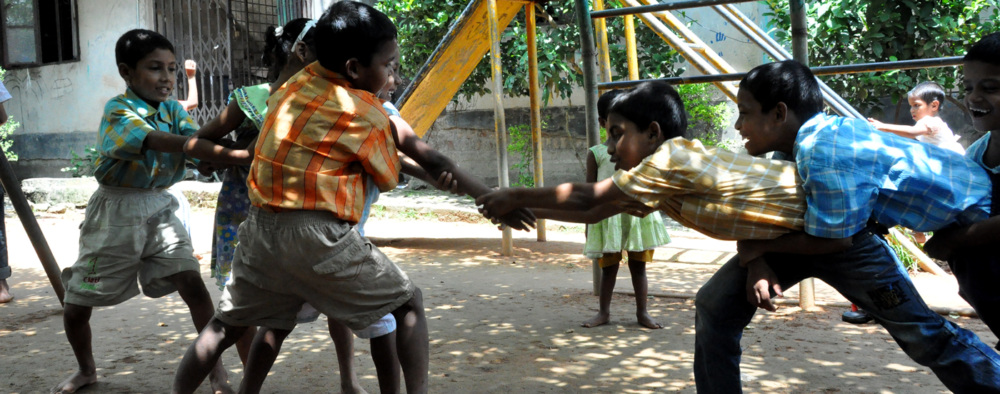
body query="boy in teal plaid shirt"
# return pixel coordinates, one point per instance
(131, 231)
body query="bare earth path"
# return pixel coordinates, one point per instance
(497, 325)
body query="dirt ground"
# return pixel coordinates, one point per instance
(497, 324)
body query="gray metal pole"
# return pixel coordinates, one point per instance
(499, 121)
(13, 187)
(800, 52)
(590, 92)
(677, 5)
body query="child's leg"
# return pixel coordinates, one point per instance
(386, 362)
(192, 290)
(76, 321)
(639, 283)
(203, 355)
(412, 346)
(609, 274)
(263, 352)
(244, 343)
(343, 342)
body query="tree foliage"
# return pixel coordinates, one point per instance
(423, 23)
(864, 31)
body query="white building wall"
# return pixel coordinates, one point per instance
(59, 106)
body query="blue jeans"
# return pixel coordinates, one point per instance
(869, 275)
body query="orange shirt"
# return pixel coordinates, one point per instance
(319, 140)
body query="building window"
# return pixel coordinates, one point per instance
(38, 32)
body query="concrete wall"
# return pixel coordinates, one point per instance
(59, 106)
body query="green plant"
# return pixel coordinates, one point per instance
(423, 23)
(864, 31)
(82, 166)
(908, 261)
(7, 129)
(702, 110)
(519, 142)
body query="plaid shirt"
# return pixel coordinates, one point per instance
(319, 140)
(851, 172)
(719, 193)
(121, 159)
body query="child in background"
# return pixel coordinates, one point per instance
(926, 100)
(606, 240)
(190, 70)
(971, 251)
(5, 295)
(731, 196)
(130, 230)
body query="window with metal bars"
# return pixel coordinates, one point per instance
(38, 32)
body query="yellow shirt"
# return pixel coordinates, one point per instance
(719, 193)
(319, 140)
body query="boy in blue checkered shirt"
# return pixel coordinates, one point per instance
(131, 232)
(852, 177)
(971, 250)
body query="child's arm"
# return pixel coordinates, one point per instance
(946, 241)
(793, 243)
(444, 182)
(914, 131)
(190, 68)
(567, 196)
(202, 146)
(589, 216)
(590, 177)
(3, 115)
(435, 163)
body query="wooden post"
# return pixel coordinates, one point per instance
(13, 187)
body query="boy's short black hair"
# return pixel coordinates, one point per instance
(653, 101)
(349, 29)
(986, 50)
(604, 102)
(136, 44)
(787, 82)
(928, 91)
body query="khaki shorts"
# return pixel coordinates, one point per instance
(128, 234)
(612, 259)
(286, 259)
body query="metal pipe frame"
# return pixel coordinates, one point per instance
(679, 5)
(499, 122)
(630, 50)
(536, 107)
(590, 93)
(603, 49)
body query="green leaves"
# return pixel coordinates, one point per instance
(839, 33)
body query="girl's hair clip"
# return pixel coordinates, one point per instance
(278, 30)
(305, 29)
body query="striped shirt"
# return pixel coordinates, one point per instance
(122, 161)
(719, 193)
(851, 172)
(319, 139)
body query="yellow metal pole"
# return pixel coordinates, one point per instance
(507, 247)
(603, 56)
(536, 112)
(630, 52)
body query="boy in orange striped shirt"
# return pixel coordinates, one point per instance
(324, 132)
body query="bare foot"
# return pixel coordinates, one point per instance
(5, 295)
(78, 381)
(219, 378)
(647, 321)
(599, 320)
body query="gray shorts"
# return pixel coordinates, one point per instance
(128, 234)
(286, 259)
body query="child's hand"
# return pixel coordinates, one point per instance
(190, 68)
(519, 219)
(206, 168)
(761, 279)
(635, 208)
(446, 182)
(875, 122)
(496, 204)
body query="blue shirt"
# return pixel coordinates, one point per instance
(127, 121)
(852, 172)
(977, 150)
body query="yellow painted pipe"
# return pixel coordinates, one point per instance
(630, 51)
(536, 112)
